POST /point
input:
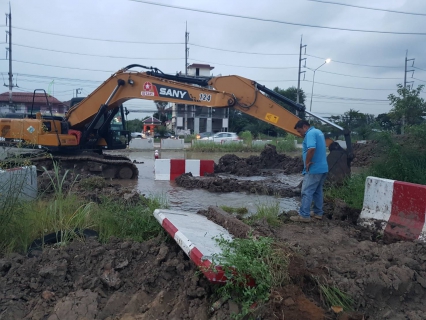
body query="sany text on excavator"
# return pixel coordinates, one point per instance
(89, 127)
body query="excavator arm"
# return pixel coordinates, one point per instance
(125, 85)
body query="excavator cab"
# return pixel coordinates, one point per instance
(111, 126)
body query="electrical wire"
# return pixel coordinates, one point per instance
(354, 64)
(245, 52)
(248, 67)
(50, 65)
(418, 68)
(353, 76)
(277, 21)
(419, 80)
(94, 55)
(368, 8)
(97, 39)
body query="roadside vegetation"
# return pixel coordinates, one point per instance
(63, 213)
(246, 144)
(261, 265)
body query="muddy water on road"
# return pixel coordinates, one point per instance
(196, 199)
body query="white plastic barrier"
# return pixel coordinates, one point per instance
(170, 169)
(141, 144)
(18, 183)
(172, 144)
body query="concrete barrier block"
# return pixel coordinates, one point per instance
(232, 141)
(172, 144)
(260, 142)
(170, 169)
(141, 144)
(398, 208)
(18, 183)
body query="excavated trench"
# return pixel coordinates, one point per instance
(127, 280)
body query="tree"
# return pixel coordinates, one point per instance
(290, 93)
(134, 125)
(161, 110)
(385, 122)
(407, 107)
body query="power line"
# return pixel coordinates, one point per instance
(369, 8)
(353, 76)
(277, 21)
(335, 85)
(354, 64)
(419, 80)
(96, 39)
(245, 52)
(50, 65)
(249, 67)
(93, 55)
(418, 68)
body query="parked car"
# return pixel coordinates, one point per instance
(204, 135)
(223, 136)
(136, 135)
(164, 135)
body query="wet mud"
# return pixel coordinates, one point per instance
(252, 166)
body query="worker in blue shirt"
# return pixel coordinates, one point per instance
(314, 172)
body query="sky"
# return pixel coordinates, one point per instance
(78, 44)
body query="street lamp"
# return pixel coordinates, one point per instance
(313, 81)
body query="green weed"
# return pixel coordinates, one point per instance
(236, 210)
(268, 211)
(251, 261)
(334, 297)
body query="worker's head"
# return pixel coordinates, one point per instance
(302, 126)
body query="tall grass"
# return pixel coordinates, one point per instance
(402, 158)
(285, 144)
(251, 261)
(64, 213)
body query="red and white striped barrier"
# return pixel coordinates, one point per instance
(170, 169)
(195, 235)
(399, 208)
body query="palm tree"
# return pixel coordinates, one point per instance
(161, 108)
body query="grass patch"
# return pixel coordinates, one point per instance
(257, 260)
(334, 297)
(352, 190)
(267, 211)
(285, 144)
(22, 222)
(235, 210)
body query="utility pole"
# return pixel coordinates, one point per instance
(300, 66)
(186, 48)
(77, 92)
(405, 84)
(9, 52)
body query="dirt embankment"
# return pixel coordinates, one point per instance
(218, 184)
(365, 153)
(385, 281)
(118, 280)
(252, 166)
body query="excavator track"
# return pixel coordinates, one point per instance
(106, 166)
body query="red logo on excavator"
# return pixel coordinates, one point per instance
(147, 86)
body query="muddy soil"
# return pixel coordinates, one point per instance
(365, 153)
(269, 159)
(117, 280)
(219, 184)
(386, 281)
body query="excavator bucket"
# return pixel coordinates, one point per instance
(339, 161)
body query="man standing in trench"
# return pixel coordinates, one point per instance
(314, 172)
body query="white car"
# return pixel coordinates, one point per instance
(137, 135)
(223, 136)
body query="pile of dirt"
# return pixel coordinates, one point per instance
(365, 153)
(88, 187)
(252, 166)
(218, 184)
(117, 280)
(385, 281)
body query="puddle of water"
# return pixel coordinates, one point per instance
(196, 199)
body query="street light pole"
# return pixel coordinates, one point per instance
(313, 82)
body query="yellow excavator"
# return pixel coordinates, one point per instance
(90, 126)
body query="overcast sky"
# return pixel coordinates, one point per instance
(48, 44)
